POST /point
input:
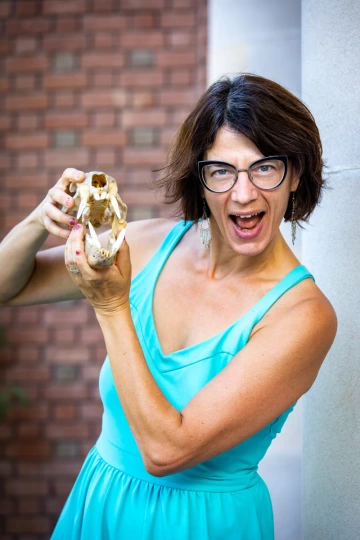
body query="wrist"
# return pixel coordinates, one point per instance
(120, 312)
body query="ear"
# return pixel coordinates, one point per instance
(295, 178)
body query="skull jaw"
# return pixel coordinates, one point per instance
(98, 257)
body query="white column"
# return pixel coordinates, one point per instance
(263, 37)
(331, 249)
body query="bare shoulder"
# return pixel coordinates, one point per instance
(144, 237)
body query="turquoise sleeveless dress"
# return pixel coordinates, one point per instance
(114, 497)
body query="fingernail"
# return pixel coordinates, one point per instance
(67, 202)
(78, 175)
(72, 221)
(78, 252)
(77, 228)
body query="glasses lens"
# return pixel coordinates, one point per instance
(268, 173)
(219, 177)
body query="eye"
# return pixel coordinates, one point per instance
(220, 172)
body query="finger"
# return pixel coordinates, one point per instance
(123, 261)
(71, 175)
(58, 195)
(55, 214)
(75, 253)
(53, 228)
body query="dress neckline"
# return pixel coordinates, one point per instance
(219, 335)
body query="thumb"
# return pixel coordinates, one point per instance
(123, 258)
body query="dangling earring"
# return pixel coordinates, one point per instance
(205, 229)
(293, 222)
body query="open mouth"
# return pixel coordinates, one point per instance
(247, 222)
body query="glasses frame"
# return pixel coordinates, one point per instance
(202, 165)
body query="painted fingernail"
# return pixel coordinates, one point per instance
(77, 227)
(72, 221)
(67, 202)
(78, 252)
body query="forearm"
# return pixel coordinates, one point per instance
(155, 423)
(17, 252)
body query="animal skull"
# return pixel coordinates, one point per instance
(97, 203)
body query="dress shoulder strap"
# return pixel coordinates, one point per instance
(295, 276)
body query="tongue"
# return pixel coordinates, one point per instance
(248, 223)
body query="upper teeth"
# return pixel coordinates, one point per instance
(249, 216)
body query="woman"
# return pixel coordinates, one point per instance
(217, 336)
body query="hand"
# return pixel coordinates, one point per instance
(106, 288)
(50, 214)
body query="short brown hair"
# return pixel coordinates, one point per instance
(275, 120)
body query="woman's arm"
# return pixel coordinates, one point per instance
(277, 366)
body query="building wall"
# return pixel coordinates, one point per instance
(95, 86)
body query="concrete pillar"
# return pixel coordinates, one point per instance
(263, 37)
(331, 250)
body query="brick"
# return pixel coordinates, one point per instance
(26, 431)
(64, 99)
(36, 451)
(152, 157)
(25, 82)
(104, 119)
(91, 373)
(182, 19)
(65, 412)
(176, 58)
(26, 487)
(141, 78)
(59, 7)
(38, 335)
(177, 97)
(64, 61)
(142, 100)
(105, 158)
(4, 84)
(27, 27)
(30, 412)
(63, 392)
(65, 80)
(181, 77)
(4, 47)
(53, 506)
(143, 4)
(144, 20)
(27, 160)
(20, 142)
(67, 24)
(32, 524)
(34, 101)
(6, 507)
(102, 60)
(65, 139)
(63, 487)
(63, 335)
(109, 137)
(5, 9)
(25, 180)
(36, 63)
(104, 98)
(167, 135)
(141, 197)
(67, 355)
(155, 117)
(25, 45)
(27, 122)
(26, 8)
(62, 315)
(27, 374)
(104, 22)
(66, 120)
(56, 42)
(5, 161)
(182, 39)
(5, 469)
(91, 411)
(29, 201)
(63, 431)
(150, 40)
(104, 40)
(28, 506)
(141, 58)
(62, 159)
(103, 79)
(102, 5)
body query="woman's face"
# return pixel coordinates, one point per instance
(247, 236)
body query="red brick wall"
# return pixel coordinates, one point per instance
(88, 84)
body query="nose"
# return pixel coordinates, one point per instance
(244, 191)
